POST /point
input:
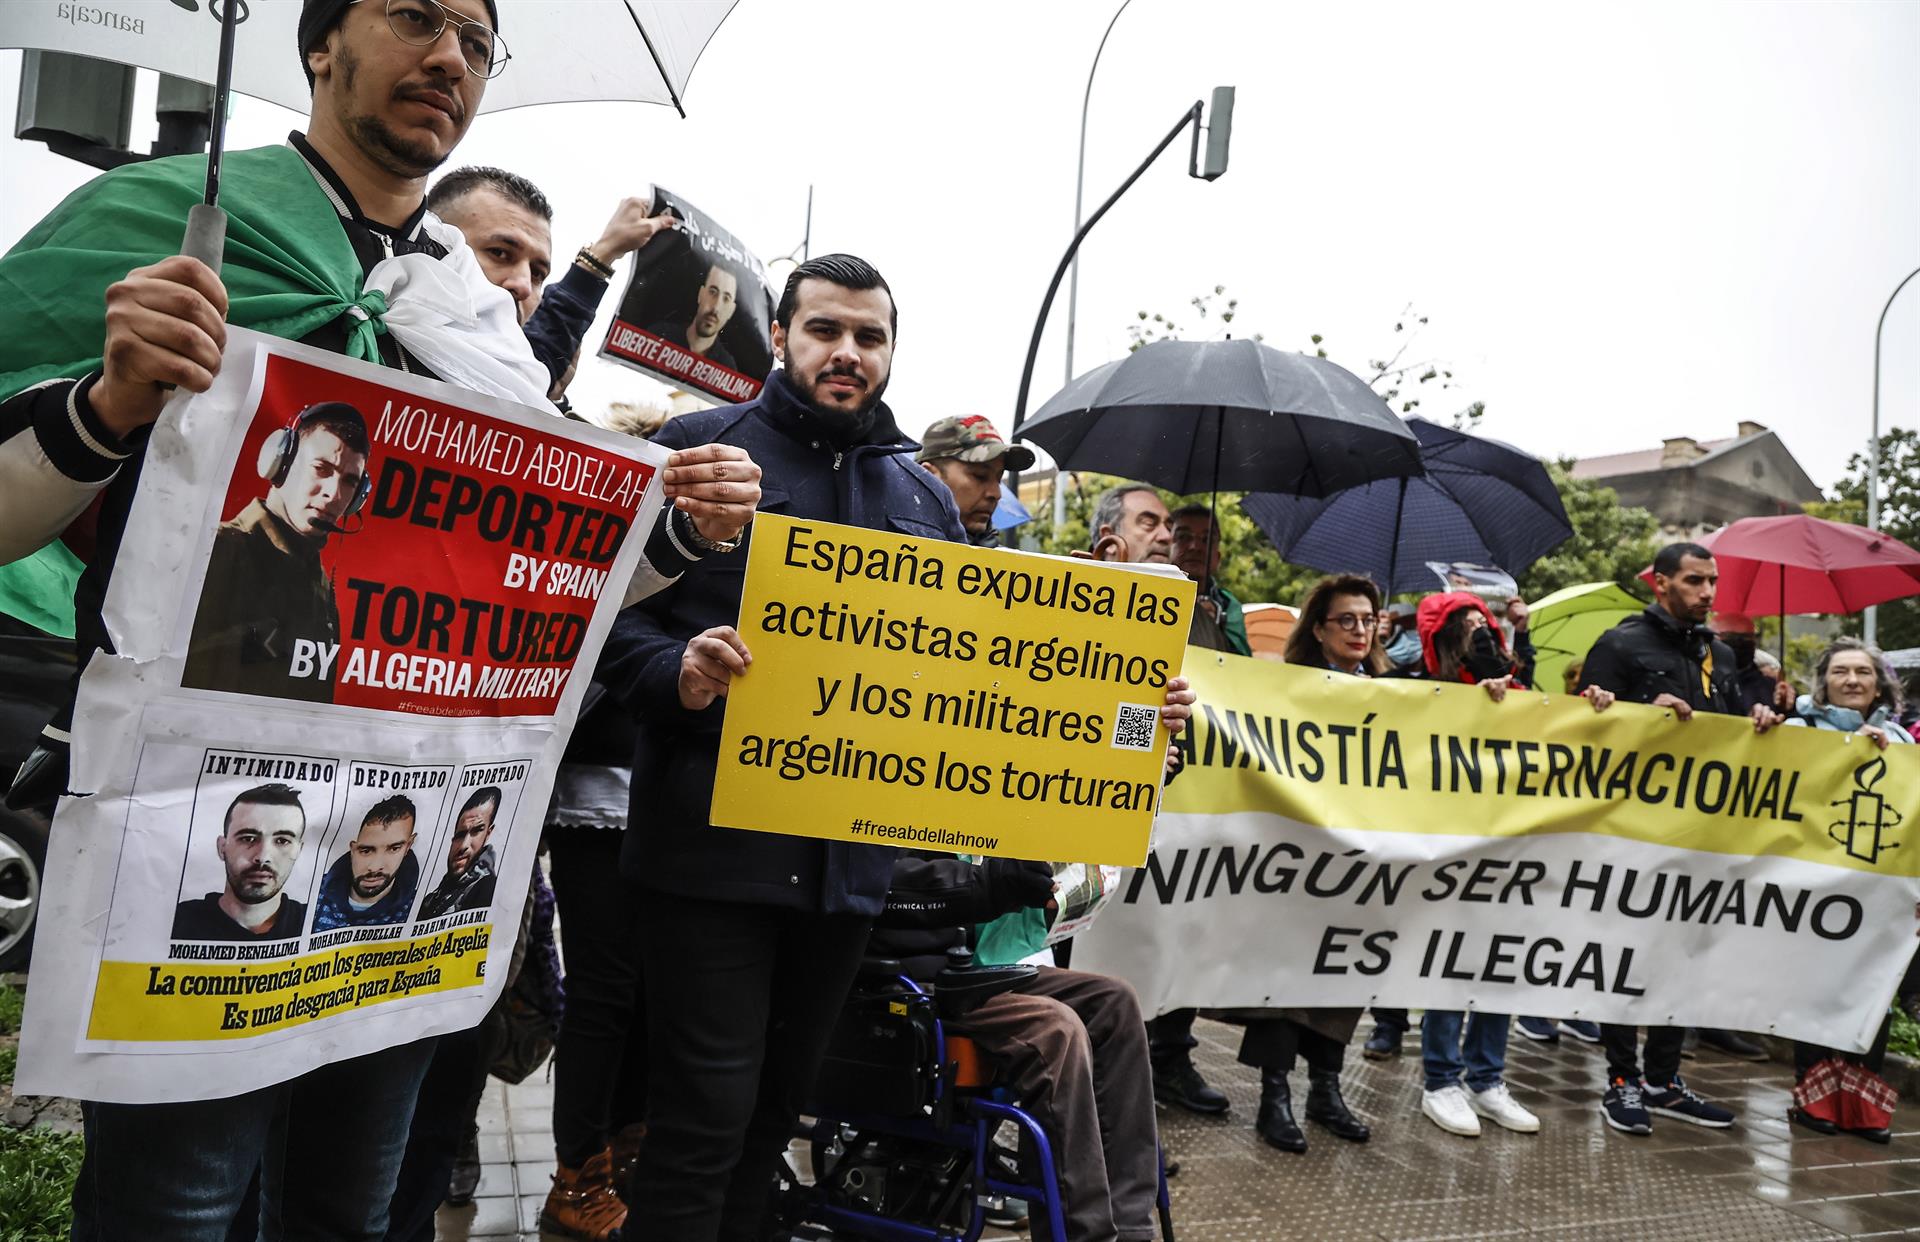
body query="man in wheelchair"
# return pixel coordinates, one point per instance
(1068, 1046)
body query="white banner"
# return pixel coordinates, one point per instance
(350, 606)
(1620, 867)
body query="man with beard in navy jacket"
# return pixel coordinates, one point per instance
(750, 941)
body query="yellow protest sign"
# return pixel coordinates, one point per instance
(144, 1002)
(921, 693)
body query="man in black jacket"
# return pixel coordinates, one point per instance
(1667, 657)
(750, 941)
(509, 224)
(1070, 1045)
(386, 112)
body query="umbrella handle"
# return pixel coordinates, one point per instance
(206, 238)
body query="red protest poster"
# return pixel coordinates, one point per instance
(381, 549)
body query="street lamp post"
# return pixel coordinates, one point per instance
(1073, 279)
(1079, 187)
(1873, 443)
(1206, 167)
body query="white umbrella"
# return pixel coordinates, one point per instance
(564, 51)
(561, 51)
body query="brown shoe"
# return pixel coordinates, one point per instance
(625, 1150)
(582, 1203)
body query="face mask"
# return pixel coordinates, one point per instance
(1484, 659)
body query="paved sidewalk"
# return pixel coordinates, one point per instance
(1576, 1179)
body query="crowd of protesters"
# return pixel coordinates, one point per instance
(705, 966)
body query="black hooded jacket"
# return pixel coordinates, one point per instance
(670, 844)
(1651, 654)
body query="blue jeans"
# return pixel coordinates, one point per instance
(1482, 1054)
(327, 1145)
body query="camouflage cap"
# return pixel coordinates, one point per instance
(971, 438)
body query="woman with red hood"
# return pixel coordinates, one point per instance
(1461, 642)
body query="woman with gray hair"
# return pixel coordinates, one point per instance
(1853, 692)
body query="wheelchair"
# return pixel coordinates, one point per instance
(904, 1120)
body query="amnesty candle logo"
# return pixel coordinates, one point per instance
(1868, 815)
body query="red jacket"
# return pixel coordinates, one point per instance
(1433, 613)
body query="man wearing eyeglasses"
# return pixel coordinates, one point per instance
(395, 85)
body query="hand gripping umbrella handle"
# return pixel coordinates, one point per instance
(206, 238)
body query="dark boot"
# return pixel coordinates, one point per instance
(1325, 1106)
(1275, 1122)
(1178, 1082)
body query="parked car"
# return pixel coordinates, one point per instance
(35, 671)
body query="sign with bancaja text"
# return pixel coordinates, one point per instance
(353, 617)
(1336, 841)
(915, 692)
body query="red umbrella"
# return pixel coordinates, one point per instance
(1799, 564)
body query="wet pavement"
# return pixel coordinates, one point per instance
(1575, 1179)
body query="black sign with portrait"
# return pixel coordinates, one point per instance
(697, 312)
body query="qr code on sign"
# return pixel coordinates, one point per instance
(1133, 725)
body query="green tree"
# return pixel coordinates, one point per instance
(1611, 542)
(1899, 517)
(1408, 384)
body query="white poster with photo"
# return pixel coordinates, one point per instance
(352, 608)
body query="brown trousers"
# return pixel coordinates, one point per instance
(1073, 1048)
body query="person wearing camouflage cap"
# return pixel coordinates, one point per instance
(968, 455)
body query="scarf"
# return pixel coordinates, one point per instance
(1847, 719)
(288, 270)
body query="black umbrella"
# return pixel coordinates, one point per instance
(1196, 416)
(1479, 500)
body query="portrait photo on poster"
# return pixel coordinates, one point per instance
(268, 597)
(250, 862)
(464, 864)
(697, 312)
(378, 850)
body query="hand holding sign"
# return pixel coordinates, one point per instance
(1177, 708)
(717, 486)
(708, 666)
(1681, 709)
(631, 227)
(166, 325)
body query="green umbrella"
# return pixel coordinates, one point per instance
(1565, 624)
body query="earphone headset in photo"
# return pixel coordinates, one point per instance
(278, 450)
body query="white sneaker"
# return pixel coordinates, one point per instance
(1498, 1104)
(1451, 1110)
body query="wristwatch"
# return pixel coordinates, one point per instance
(703, 543)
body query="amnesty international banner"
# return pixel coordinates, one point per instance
(348, 613)
(1341, 842)
(923, 693)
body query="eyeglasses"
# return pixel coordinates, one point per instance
(1351, 621)
(422, 22)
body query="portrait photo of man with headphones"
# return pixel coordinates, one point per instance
(268, 623)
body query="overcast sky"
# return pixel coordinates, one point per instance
(1624, 222)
